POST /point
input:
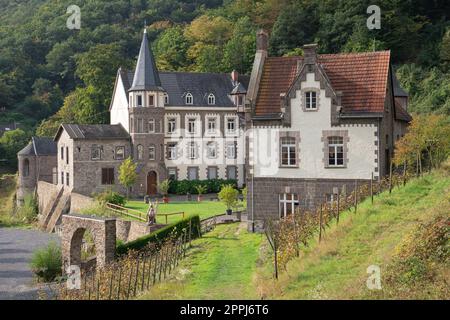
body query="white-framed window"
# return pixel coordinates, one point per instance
(335, 151)
(171, 125)
(310, 100)
(189, 98)
(288, 151)
(172, 173)
(151, 100)
(211, 150)
(140, 152)
(240, 100)
(166, 99)
(231, 125)
(211, 99)
(151, 125)
(172, 151)
(192, 150)
(212, 173)
(231, 172)
(138, 100)
(192, 173)
(231, 150)
(120, 153)
(212, 125)
(288, 203)
(191, 125)
(151, 152)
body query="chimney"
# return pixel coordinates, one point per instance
(234, 76)
(262, 40)
(309, 53)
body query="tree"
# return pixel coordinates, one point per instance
(12, 142)
(171, 49)
(127, 173)
(229, 196)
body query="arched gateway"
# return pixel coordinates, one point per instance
(103, 231)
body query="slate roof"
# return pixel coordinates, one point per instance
(362, 78)
(146, 74)
(93, 131)
(400, 112)
(398, 90)
(200, 85)
(40, 146)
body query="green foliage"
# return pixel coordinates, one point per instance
(189, 186)
(46, 262)
(164, 186)
(201, 189)
(29, 210)
(12, 142)
(229, 196)
(110, 196)
(127, 173)
(171, 231)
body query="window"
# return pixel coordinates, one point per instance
(288, 153)
(152, 152)
(62, 177)
(212, 173)
(211, 150)
(192, 173)
(120, 153)
(171, 151)
(310, 100)
(191, 125)
(151, 126)
(189, 99)
(140, 152)
(171, 125)
(192, 150)
(231, 125)
(140, 125)
(211, 125)
(62, 153)
(231, 150)
(107, 175)
(67, 179)
(211, 99)
(288, 203)
(335, 151)
(172, 173)
(26, 168)
(151, 100)
(96, 152)
(67, 155)
(166, 98)
(240, 100)
(231, 172)
(139, 101)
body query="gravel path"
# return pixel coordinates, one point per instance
(16, 249)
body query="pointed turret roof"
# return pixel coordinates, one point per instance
(146, 76)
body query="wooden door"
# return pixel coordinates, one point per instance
(152, 183)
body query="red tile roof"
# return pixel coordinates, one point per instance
(362, 78)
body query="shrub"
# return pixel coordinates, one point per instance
(229, 196)
(29, 210)
(157, 237)
(189, 186)
(201, 189)
(111, 197)
(47, 262)
(164, 187)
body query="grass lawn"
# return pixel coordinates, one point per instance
(221, 265)
(204, 209)
(337, 267)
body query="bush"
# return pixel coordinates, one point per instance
(47, 262)
(229, 196)
(29, 210)
(157, 237)
(111, 197)
(190, 186)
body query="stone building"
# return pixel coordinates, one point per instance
(318, 123)
(37, 162)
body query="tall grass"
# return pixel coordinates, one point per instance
(47, 262)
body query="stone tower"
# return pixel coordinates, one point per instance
(146, 116)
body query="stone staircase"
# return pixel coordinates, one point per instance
(47, 213)
(62, 207)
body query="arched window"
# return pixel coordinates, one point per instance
(140, 152)
(189, 98)
(211, 99)
(26, 168)
(166, 99)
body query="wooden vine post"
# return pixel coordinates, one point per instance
(390, 177)
(371, 188)
(338, 204)
(356, 195)
(320, 222)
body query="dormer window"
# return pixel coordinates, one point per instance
(138, 101)
(151, 100)
(240, 100)
(166, 98)
(211, 99)
(310, 100)
(189, 99)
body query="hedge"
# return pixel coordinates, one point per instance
(174, 229)
(188, 186)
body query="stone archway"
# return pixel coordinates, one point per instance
(103, 231)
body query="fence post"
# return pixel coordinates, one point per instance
(155, 267)
(137, 275)
(129, 283)
(190, 232)
(111, 284)
(143, 272)
(404, 173)
(119, 282)
(356, 195)
(390, 177)
(149, 270)
(371, 187)
(320, 222)
(338, 204)
(161, 257)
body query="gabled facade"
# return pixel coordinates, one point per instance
(318, 124)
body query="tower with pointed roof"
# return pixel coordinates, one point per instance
(146, 114)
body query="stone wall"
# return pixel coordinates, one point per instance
(79, 202)
(130, 230)
(46, 192)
